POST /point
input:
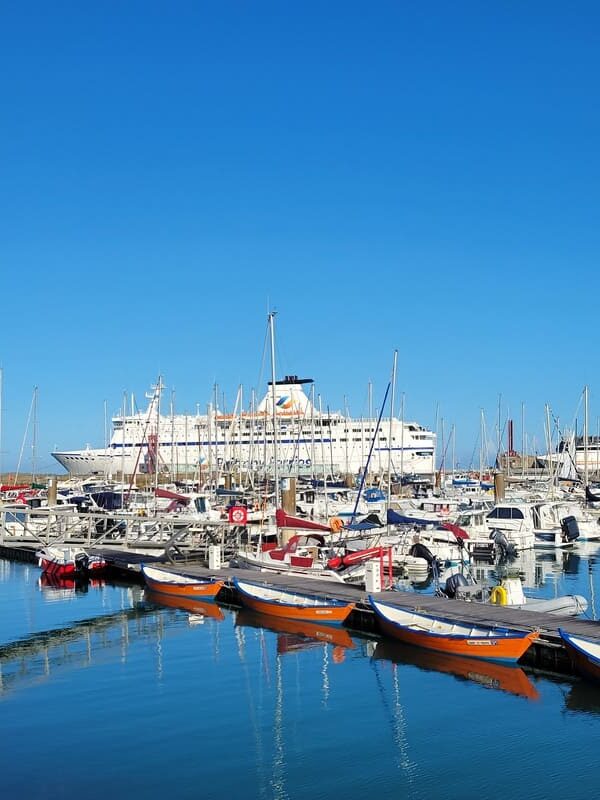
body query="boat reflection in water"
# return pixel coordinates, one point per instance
(61, 588)
(486, 673)
(297, 634)
(198, 609)
(583, 697)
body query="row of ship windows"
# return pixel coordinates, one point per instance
(303, 429)
(246, 441)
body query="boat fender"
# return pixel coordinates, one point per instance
(499, 596)
(336, 524)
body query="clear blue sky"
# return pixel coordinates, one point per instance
(420, 176)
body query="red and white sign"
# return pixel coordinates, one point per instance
(238, 515)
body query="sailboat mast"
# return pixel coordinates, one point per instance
(522, 440)
(1, 409)
(273, 396)
(34, 436)
(156, 457)
(346, 433)
(585, 436)
(402, 435)
(123, 412)
(481, 445)
(391, 430)
(312, 431)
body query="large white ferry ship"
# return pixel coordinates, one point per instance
(307, 441)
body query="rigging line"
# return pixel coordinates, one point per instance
(25, 435)
(473, 453)
(366, 469)
(264, 356)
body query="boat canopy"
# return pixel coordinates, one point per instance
(394, 518)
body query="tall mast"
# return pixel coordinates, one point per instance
(123, 412)
(156, 457)
(172, 410)
(499, 452)
(312, 431)
(273, 396)
(522, 440)
(597, 444)
(323, 458)
(346, 430)
(481, 445)
(34, 436)
(1, 409)
(402, 434)
(585, 436)
(391, 429)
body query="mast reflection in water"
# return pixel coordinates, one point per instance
(200, 700)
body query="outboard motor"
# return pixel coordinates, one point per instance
(81, 562)
(506, 549)
(420, 551)
(570, 528)
(452, 583)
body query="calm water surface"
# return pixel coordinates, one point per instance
(106, 695)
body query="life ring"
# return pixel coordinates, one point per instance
(499, 596)
(336, 524)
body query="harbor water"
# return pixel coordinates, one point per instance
(104, 693)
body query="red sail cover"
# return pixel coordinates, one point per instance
(167, 495)
(287, 521)
(456, 530)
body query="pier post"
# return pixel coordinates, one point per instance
(288, 495)
(288, 503)
(52, 490)
(498, 487)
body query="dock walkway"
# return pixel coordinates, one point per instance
(547, 652)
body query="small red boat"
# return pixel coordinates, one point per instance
(277, 602)
(176, 585)
(456, 637)
(584, 654)
(62, 562)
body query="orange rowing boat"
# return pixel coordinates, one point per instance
(456, 637)
(176, 585)
(278, 602)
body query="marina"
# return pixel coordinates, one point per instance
(547, 651)
(299, 423)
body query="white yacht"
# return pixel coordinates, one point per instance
(306, 441)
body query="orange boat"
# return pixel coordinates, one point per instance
(196, 607)
(489, 674)
(295, 634)
(456, 637)
(277, 602)
(176, 585)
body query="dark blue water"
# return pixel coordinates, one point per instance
(104, 695)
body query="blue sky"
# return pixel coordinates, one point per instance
(391, 175)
